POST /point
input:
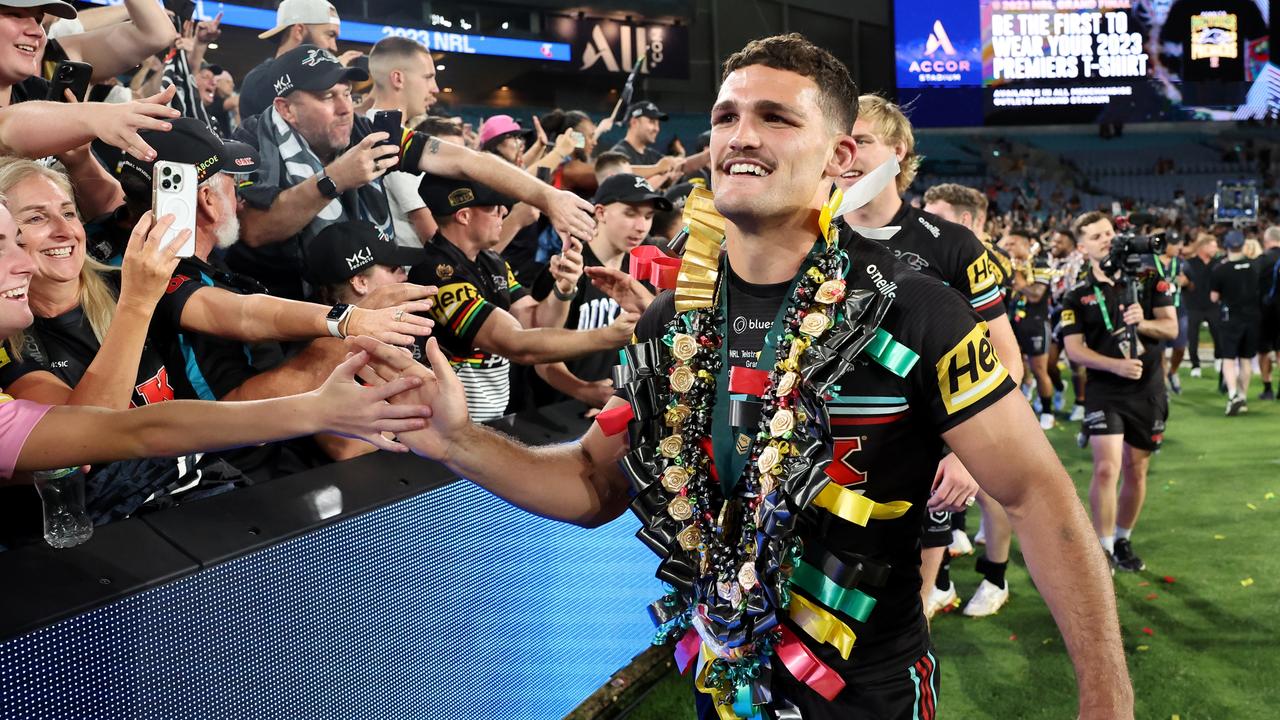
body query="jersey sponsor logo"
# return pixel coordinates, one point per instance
(1068, 317)
(60, 364)
(500, 282)
(842, 470)
(157, 389)
(883, 284)
(969, 371)
(1088, 300)
(4, 357)
(982, 273)
(933, 229)
(743, 444)
(175, 282)
(742, 324)
(443, 271)
(452, 297)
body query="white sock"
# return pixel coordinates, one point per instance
(1123, 533)
(1108, 542)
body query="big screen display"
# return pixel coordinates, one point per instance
(1029, 62)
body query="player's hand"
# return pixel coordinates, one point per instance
(1133, 314)
(954, 488)
(569, 214)
(363, 163)
(630, 294)
(441, 393)
(1128, 368)
(566, 267)
(422, 297)
(396, 325)
(149, 263)
(346, 408)
(117, 124)
(622, 329)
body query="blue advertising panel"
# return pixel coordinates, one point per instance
(938, 44)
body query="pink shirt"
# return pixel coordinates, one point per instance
(17, 419)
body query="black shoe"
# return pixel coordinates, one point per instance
(1124, 557)
(1267, 395)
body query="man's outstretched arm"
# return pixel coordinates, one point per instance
(577, 482)
(1014, 463)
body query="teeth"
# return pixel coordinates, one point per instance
(62, 252)
(28, 48)
(747, 168)
(15, 293)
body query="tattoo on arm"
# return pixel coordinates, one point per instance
(433, 146)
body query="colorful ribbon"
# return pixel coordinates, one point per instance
(614, 420)
(850, 601)
(748, 381)
(687, 648)
(891, 354)
(821, 625)
(855, 507)
(742, 706)
(806, 667)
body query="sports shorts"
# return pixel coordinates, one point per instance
(1139, 417)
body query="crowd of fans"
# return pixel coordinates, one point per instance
(509, 244)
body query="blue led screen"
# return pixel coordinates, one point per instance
(452, 604)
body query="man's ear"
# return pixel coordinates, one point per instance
(284, 110)
(463, 216)
(397, 79)
(207, 205)
(842, 156)
(360, 284)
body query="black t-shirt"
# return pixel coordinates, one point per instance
(1198, 272)
(648, 156)
(1214, 35)
(256, 90)
(1236, 282)
(13, 365)
(887, 435)
(107, 236)
(1268, 281)
(951, 253)
(33, 88)
(1168, 268)
(1091, 306)
(589, 310)
(469, 292)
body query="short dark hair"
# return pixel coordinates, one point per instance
(962, 198)
(438, 126)
(838, 94)
(610, 159)
(1066, 232)
(1089, 218)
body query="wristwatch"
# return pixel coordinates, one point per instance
(336, 315)
(327, 187)
(564, 297)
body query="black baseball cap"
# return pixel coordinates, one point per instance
(644, 108)
(313, 69)
(191, 142)
(343, 250)
(628, 188)
(445, 196)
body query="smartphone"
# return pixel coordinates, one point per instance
(70, 75)
(389, 122)
(173, 192)
(579, 140)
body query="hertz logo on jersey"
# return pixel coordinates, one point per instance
(982, 273)
(452, 297)
(969, 371)
(1068, 317)
(4, 357)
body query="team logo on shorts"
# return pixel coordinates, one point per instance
(969, 371)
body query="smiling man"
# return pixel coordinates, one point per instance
(789, 512)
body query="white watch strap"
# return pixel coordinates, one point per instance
(335, 325)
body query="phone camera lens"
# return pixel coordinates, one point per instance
(165, 184)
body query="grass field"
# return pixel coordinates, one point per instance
(1199, 624)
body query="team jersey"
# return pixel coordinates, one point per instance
(1038, 311)
(886, 433)
(1236, 282)
(1067, 272)
(469, 292)
(1169, 269)
(1092, 309)
(1199, 273)
(951, 253)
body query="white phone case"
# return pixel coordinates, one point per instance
(173, 192)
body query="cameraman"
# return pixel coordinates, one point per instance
(1233, 284)
(1127, 406)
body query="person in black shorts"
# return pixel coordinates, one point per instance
(1201, 309)
(1234, 286)
(1269, 288)
(673, 448)
(1127, 406)
(1031, 314)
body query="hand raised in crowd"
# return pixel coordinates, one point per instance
(1128, 368)
(569, 214)
(345, 58)
(117, 124)
(603, 127)
(564, 146)
(630, 294)
(623, 328)
(953, 486)
(396, 325)
(566, 267)
(149, 262)
(363, 163)
(408, 296)
(539, 134)
(207, 31)
(346, 408)
(440, 392)
(1133, 314)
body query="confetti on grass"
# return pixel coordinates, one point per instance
(1246, 582)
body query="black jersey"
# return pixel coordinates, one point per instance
(469, 292)
(1199, 274)
(951, 253)
(648, 156)
(1236, 282)
(1035, 310)
(1092, 309)
(886, 433)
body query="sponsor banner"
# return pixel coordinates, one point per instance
(609, 47)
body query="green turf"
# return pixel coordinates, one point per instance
(1200, 637)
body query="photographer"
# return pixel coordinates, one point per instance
(1120, 342)
(1233, 284)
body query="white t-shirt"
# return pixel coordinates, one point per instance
(403, 197)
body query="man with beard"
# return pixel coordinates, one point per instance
(298, 22)
(644, 122)
(779, 142)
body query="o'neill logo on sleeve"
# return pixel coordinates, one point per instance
(969, 371)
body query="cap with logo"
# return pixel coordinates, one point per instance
(191, 142)
(498, 128)
(52, 7)
(343, 250)
(645, 108)
(1233, 240)
(302, 12)
(628, 188)
(313, 69)
(445, 196)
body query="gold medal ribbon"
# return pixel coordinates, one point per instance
(821, 625)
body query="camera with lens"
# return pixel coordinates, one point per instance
(1127, 250)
